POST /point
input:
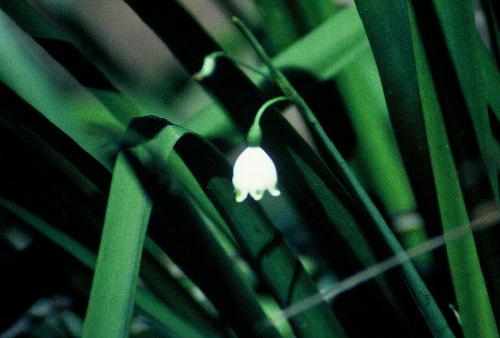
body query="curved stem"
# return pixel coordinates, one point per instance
(254, 136)
(266, 105)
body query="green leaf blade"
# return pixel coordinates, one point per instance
(115, 279)
(470, 290)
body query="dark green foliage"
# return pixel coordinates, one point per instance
(118, 216)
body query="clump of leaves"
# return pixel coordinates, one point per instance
(376, 132)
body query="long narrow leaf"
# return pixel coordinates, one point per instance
(37, 78)
(144, 300)
(385, 23)
(113, 288)
(458, 25)
(473, 302)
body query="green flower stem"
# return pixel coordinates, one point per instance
(334, 159)
(278, 76)
(210, 62)
(254, 136)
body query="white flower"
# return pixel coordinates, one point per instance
(254, 173)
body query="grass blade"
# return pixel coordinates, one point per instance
(490, 75)
(473, 302)
(385, 23)
(144, 300)
(280, 31)
(37, 78)
(458, 25)
(358, 84)
(113, 287)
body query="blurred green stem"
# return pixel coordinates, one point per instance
(280, 30)
(360, 87)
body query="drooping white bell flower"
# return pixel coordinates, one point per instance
(254, 173)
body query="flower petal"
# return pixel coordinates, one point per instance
(257, 194)
(241, 195)
(274, 191)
